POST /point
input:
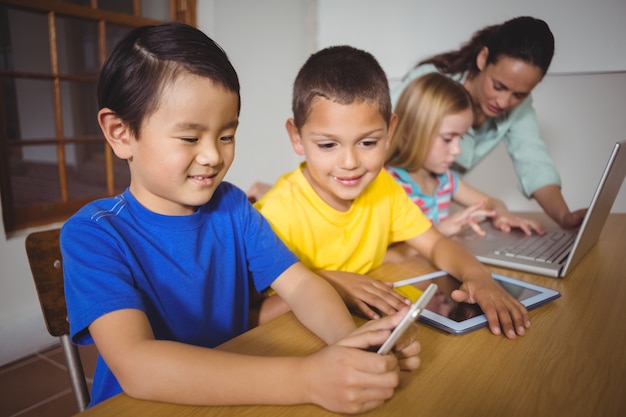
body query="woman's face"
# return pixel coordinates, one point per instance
(501, 86)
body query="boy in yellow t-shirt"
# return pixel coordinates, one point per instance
(339, 210)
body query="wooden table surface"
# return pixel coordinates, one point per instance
(572, 362)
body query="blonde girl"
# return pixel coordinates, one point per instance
(434, 113)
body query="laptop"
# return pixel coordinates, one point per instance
(558, 251)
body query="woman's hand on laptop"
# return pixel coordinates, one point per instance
(573, 219)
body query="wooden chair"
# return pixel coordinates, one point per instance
(44, 256)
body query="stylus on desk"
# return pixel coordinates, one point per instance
(418, 278)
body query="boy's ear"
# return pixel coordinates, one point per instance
(481, 58)
(393, 123)
(116, 132)
(294, 136)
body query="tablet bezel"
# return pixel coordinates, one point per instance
(446, 324)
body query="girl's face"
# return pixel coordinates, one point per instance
(344, 146)
(446, 144)
(185, 147)
(501, 86)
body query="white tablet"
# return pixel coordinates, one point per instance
(460, 318)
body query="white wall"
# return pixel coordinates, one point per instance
(590, 35)
(580, 103)
(267, 43)
(580, 112)
(580, 115)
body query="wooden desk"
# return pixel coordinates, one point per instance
(572, 362)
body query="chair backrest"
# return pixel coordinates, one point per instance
(46, 265)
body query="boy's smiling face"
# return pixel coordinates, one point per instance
(184, 148)
(344, 146)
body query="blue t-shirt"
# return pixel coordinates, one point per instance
(191, 275)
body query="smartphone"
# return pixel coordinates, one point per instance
(414, 312)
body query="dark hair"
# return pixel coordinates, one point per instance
(525, 38)
(342, 74)
(147, 58)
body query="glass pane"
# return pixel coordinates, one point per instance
(78, 2)
(119, 6)
(10, 116)
(156, 9)
(25, 44)
(79, 105)
(114, 34)
(6, 58)
(35, 104)
(86, 173)
(34, 175)
(77, 46)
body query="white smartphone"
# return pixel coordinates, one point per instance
(414, 312)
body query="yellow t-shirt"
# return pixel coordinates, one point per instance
(327, 239)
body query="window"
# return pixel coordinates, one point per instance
(53, 157)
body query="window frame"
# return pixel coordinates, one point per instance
(40, 214)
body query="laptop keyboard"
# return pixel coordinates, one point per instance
(546, 248)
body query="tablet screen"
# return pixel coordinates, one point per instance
(459, 318)
(443, 304)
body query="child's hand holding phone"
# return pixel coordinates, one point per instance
(411, 316)
(407, 354)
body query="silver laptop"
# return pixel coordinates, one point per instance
(558, 251)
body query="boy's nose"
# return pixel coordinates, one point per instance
(349, 159)
(209, 154)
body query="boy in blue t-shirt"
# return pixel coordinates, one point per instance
(161, 273)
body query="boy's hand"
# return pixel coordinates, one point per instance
(504, 313)
(361, 293)
(257, 190)
(346, 378)
(407, 348)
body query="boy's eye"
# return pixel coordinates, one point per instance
(369, 143)
(227, 138)
(189, 139)
(326, 145)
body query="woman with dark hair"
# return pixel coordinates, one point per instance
(500, 66)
